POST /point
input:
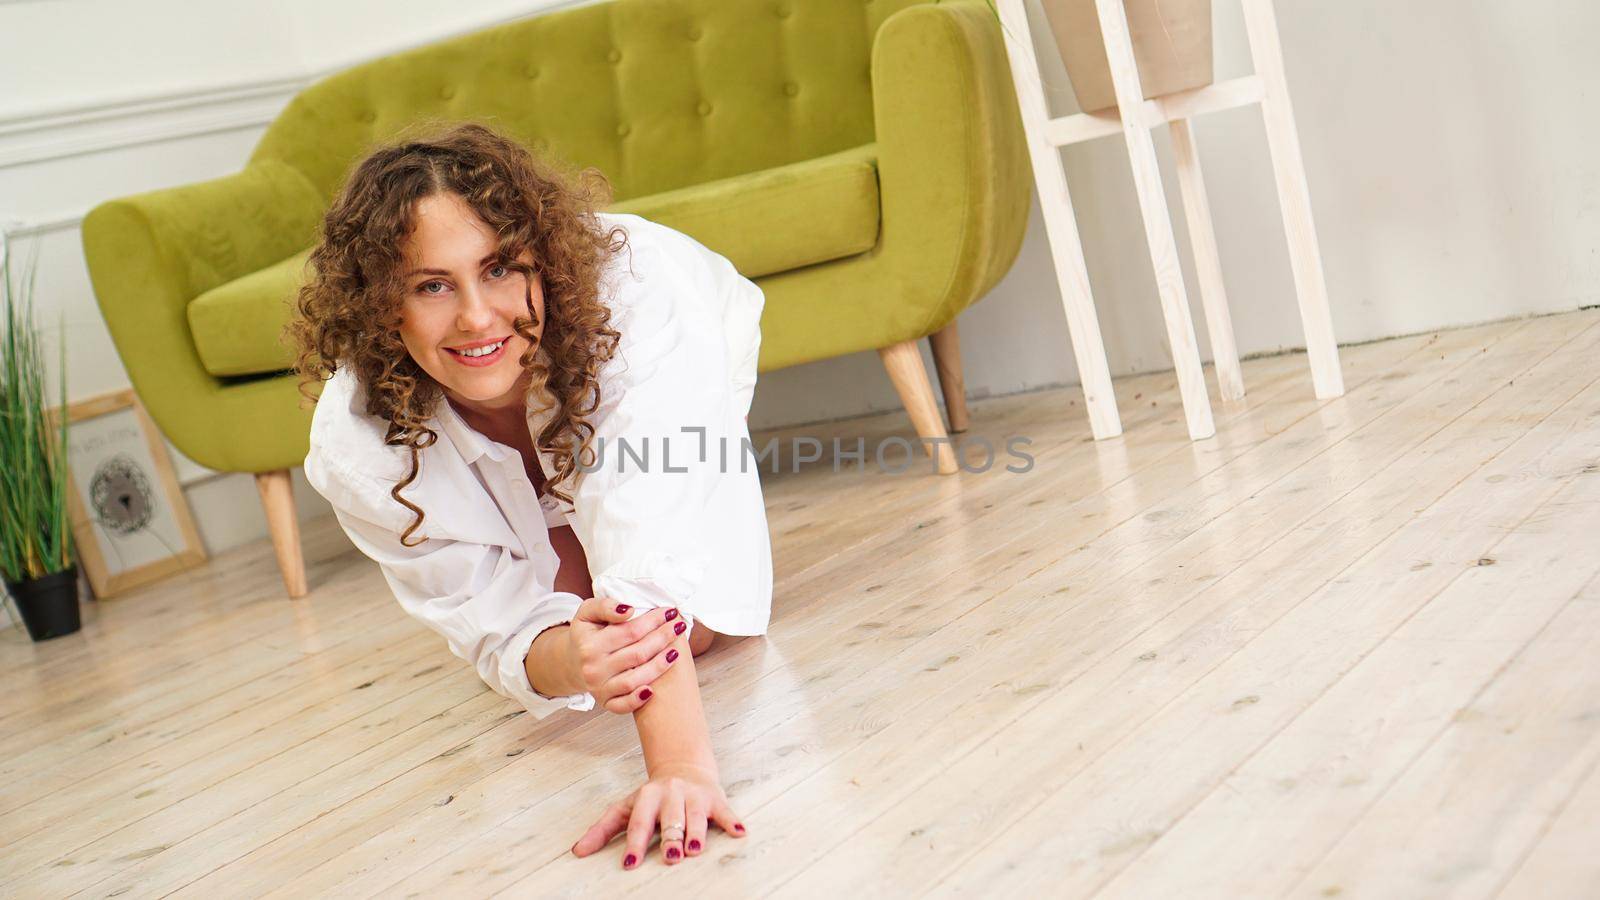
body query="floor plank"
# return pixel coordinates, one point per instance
(1562, 861)
(1459, 819)
(1282, 808)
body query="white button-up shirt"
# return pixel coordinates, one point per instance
(686, 528)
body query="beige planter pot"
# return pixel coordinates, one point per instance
(1171, 42)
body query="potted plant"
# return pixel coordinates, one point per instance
(1171, 47)
(37, 556)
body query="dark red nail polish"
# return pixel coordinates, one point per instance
(678, 628)
(628, 861)
(738, 826)
(695, 845)
(672, 654)
(671, 614)
(672, 853)
(623, 607)
(644, 694)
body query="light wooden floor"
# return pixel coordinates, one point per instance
(1343, 648)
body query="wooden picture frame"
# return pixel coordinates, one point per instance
(130, 520)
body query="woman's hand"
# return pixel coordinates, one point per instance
(617, 656)
(679, 798)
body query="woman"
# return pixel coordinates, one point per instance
(533, 419)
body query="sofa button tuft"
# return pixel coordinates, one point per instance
(783, 10)
(447, 92)
(530, 70)
(695, 33)
(791, 88)
(369, 117)
(623, 129)
(704, 108)
(614, 56)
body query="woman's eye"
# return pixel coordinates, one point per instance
(501, 269)
(423, 288)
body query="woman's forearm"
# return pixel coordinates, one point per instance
(672, 724)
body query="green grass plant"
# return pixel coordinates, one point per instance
(35, 533)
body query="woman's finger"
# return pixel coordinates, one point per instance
(601, 611)
(627, 703)
(641, 825)
(672, 815)
(634, 680)
(694, 829)
(619, 636)
(724, 816)
(637, 678)
(613, 820)
(649, 644)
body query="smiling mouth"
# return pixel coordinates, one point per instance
(481, 350)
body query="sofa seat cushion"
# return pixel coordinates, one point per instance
(778, 219)
(768, 221)
(237, 326)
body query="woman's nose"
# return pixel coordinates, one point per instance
(473, 314)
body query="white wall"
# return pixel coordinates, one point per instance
(1448, 154)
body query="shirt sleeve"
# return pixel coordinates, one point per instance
(741, 305)
(486, 602)
(669, 426)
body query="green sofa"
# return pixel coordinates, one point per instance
(862, 160)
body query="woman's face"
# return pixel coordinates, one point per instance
(458, 300)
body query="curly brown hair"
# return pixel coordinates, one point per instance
(349, 308)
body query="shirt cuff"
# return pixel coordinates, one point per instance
(646, 592)
(514, 672)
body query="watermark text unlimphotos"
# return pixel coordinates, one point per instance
(894, 455)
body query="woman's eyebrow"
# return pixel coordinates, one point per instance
(486, 259)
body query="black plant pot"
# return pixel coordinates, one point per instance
(49, 604)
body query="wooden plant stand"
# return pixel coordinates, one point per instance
(1133, 118)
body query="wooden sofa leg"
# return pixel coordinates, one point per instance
(946, 344)
(277, 498)
(904, 364)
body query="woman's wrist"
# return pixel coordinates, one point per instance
(551, 663)
(703, 769)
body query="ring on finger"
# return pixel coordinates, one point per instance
(672, 833)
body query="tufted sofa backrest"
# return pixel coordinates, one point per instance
(658, 94)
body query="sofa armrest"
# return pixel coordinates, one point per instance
(210, 232)
(150, 254)
(953, 166)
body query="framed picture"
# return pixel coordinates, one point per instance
(130, 520)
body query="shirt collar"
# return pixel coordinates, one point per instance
(468, 442)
